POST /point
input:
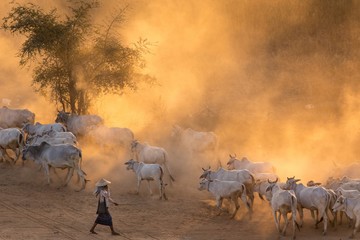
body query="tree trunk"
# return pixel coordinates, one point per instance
(73, 95)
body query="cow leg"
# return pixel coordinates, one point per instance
(340, 217)
(234, 198)
(247, 204)
(149, 186)
(251, 197)
(47, 172)
(17, 154)
(301, 214)
(286, 223)
(160, 188)
(313, 215)
(68, 176)
(219, 201)
(323, 215)
(293, 218)
(81, 177)
(138, 185)
(6, 156)
(355, 228)
(276, 220)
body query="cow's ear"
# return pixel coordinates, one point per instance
(268, 188)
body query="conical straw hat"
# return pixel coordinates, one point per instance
(102, 182)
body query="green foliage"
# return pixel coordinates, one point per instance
(74, 61)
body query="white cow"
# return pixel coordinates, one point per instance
(151, 154)
(11, 138)
(57, 156)
(111, 136)
(148, 172)
(347, 193)
(242, 176)
(195, 141)
(350, 170)
(39, 129)
(333, 196)
(283, 202)
(312, 198)
(260, 187)
(351, 206)
(11, 118)
(254, 167)
(231, 190)
(266, 176)
(37, 140)
(79, 125)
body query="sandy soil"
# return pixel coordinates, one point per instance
(31, 209)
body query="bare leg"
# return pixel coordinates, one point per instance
(113, 231)
(92, 230)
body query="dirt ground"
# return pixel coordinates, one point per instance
(31, 209)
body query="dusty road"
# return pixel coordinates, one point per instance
(30, 209)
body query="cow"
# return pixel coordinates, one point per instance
(312, 198)
(351, 206)
(79, 125)
(194, 141)
(282, 202)
(37, 140)
(111, 136)
(151, 154)
(148, 172)
(266, 176)
(15, 118)
(242, 176)
(11, 138)
(333, 196)
(254, 167)
(231, 190)
(260, 187)
(64, 156)
(39, 129)
(56, 134)
(351, 170)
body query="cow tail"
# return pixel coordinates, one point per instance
(21, 140)
(167, 167)
(80, 163)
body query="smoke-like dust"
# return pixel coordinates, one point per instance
(276, 81)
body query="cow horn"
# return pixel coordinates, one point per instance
(203, 169)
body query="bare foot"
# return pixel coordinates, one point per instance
(115, 233)
(93, 232)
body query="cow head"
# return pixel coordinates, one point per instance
(311, 183)
(291, 183)
(206, 173)
(62, 117)
(130, 164)
(204, 184)
(340, 204)
(271, 184)
(134, 144)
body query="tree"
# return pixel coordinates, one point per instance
(75, 61)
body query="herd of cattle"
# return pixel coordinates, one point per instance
(55, 145)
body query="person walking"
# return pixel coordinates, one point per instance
(104, 218)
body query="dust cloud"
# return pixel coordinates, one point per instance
(276, 81)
